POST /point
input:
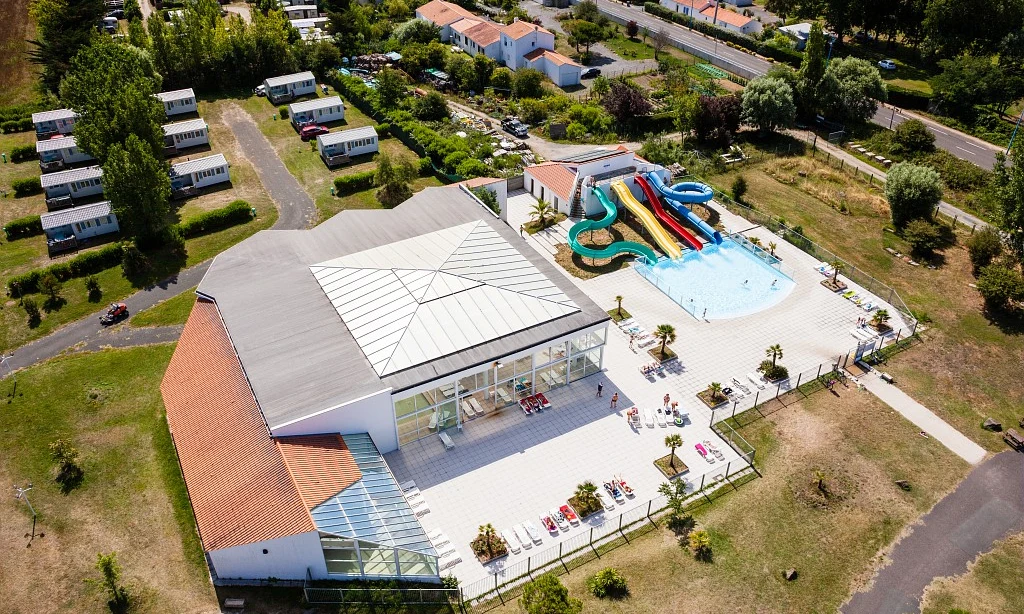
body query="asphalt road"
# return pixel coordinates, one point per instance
(959, 144)
(987, 506)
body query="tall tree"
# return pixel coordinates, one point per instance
(390, 88)
(812, 68)
(132, 10)
(1009, 188)
(913, 191)
(63, 27)
(851, 89)
(955, 26)
(483, 66)
(111, 86)
(768, 104)
(138, 187)
(626, 102)
(584, 33)
(782, 8)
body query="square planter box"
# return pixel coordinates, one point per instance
(663, 466)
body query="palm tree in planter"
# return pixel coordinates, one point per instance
(880, 319)
(774, 352)
(755, 241)
(666, 333)
(487, 544)
(771, 248)
(618, 300)
(672, 442)
(542, 213)
(715, 390)
(834, 283)
(586, 500)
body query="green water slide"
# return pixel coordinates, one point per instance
(620, 247)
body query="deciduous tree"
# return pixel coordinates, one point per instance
(913, 192)
(63, 27)
(138, 187)
(390, 88)
(768, 104)
(626, 102)
(851, 89)
(1008, 184)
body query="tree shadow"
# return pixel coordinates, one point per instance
(1008, 321)
(70, 478)
(95, 295)
(54, 303)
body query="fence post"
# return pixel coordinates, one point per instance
(734, 404)
(897, 336)
(798, 376)
(757, 395)
(819, 371)
(649, 503)
(778, 391)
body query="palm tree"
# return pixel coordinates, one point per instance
(771, 247)
(666, 333)
(774, 352)
(585, 492)
(755, 241)
(618, 299)
(542, 213)
(836, 267)
(715, 389)
(488, 532)
(881, 317)
(672, 442)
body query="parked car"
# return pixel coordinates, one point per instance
(887, 64)
(312, 131)
(590, 73)
(116, 14)
(260, 90)
(108, 25)
(513, 126)
(115, 313)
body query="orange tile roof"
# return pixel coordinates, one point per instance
(556, 177)
(240, 489)
(320, 465)
(476, 182)
(484, 34)
(519, 29)
(727, 16)
(552, 56)
(442, 13)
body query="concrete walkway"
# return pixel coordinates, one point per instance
(987, 506)
(923, 417)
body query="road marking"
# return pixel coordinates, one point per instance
(965, 151)
(973, 145)
(937, 130)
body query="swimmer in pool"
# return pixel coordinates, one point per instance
(775, 282)
(745, 281)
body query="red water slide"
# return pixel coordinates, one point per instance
(668, 220)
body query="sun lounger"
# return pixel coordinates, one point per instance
(448, 390)
(560, 519)
(621, 485)
(413, 493)
(869, 306)
(531, 530)
(525, 405)
(626, 323)
(703, 453)
(504, 395)
(476, 406)
(445, 550)
(606, 501)
(741, 385)
(648, 418)
(468, 410)
(438, 538)
(449, 561)
(433, 420)
(510, 538)
(524, 538)
(615, 492)
(633, 415)
(756, 379)
(549, 524)
(422, 510)
(660, 417)
(544, 377)
(407, 485)
(542, 400)
(446, 440)
(570, 514)
(849, 293)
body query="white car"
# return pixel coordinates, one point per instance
(887, 64)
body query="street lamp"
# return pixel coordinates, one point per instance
(1012, 136)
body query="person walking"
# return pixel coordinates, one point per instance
(600, 388)
(615, 400)
(632, 338)
(667, 399)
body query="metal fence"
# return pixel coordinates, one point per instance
(382, 596)
(590, 543)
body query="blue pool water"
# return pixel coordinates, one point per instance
(726, 279)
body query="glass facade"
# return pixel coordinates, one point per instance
(425, 413)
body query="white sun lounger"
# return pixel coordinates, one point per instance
(476, 406)
(531, 530)
(445, 549)
(524, 537)
(451, 560)
(560, 519)
(421, 510)
(648, 418)
(660, 417)
(438, 538)
(511, 539)
(446, 440)
(407, 485)
(756, 379)
(467, 409)
(606, 501)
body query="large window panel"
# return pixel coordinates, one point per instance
(404, 407)
(593, 362)
(524, 365)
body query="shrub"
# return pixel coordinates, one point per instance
(23, 153)
(356, 182)
(134, 263)
(425, 167)
(487, 197)
(913, 191)
(472, 167)
(79, 266)
(575, 131)
(607, 583)
(700, 545)
(237, 212)
(26, 187)
(283, 112)
(384, 130)
(739, 188)
(547, 595)
(956, 173)
(983, 247)
(1000, 286)
(32, 311)
(773, 373)
(912, 137)
(924, 236)
(50, 286)
(453, 160)
(28, 226)
(9, 126)
(69, 474)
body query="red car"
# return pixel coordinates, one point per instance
(116, 312)
(311, 132)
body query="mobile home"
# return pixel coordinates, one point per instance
(49, 123)
(318, 110)
(287, 87)
(200, 173)
(63, 187)
(308, 11)
(338, 147)
(58, 152)
(179, 102)
(67, 228)
(185, 134)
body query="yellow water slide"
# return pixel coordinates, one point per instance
(665, 241)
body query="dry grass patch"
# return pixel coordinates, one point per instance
(588, 268)
(993, 584)
(17, 74)
(830, 186)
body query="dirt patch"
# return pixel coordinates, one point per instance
(588, 268)
(17, 74)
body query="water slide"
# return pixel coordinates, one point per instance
(620, 247)
(668, 220)
(687, 192)
(665, 241)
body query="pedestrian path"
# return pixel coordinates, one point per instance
(923, 417)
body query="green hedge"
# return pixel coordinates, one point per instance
(82, 265)
(20, 112)
(356, 182)
(16, 125)
(238, 212)
(789, 56)
(907, 98)
(23, 153)
(26, 187)
(28, 226)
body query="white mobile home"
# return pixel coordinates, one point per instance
(311, 29)
(287, 87)
(182, 135)
(59, 121)
(308, 11)
(338, 147)
(65, 229)
(57, 152)
(179, 102)
(200, 173)
(318, 110)
(73, 183)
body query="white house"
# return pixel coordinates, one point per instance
(59, 121)
(57, 152)
(318, 110)
(690, 8)
(287, 87)
(559, 68)
(729, 20)
(185, 134)
(179, 102)
(336, 147)
(520, 38)
(799, 32)
(443, 14)
(80, 222)
(76, 183)
(307, 11)
(474, 36)
(200, 173)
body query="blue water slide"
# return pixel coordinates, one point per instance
(687, 192)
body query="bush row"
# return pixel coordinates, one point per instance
(23, 153)
(28, 226)
(789, 56)
(19, 111)
(238, 212)
(82, 265)
(16, 125)
(356, 182)
(907, 98)
(26, 187)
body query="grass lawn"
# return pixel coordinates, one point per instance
(781, 521)
(132, 500)
(25, 253)
(969, 368)
(994, 583)
(303, 161)
(166, 313)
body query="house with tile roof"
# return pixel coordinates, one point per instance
(729, 20)
(443, 14)
(311, 354)
(474, 36)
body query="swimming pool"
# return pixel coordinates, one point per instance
(726, 280)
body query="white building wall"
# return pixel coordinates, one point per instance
(492, 51)
(544, 192)
(96, 226)
(333, 113)
(373, 414)
(685, 8)
(74, 155)
(287, 558)
(178, 107)
(201, 179)
(202, 138)
(77, 189)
